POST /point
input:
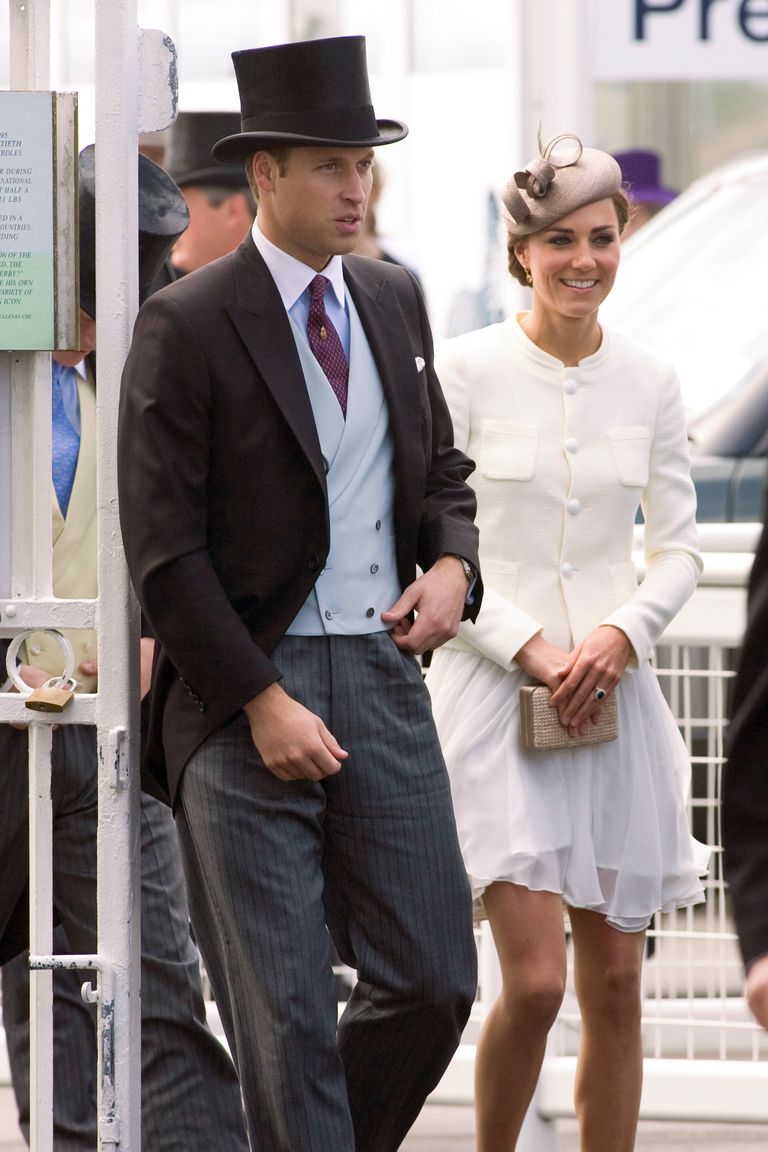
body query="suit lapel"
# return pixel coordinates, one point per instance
(265, 329)
(261, 320)
(389, 340)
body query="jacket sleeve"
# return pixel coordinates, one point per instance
(671, 548)
(502, 628)
(744, 810)
(744, 798)
(163, 451)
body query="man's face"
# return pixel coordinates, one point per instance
(217, 224)
(314, 208)
(87, 343)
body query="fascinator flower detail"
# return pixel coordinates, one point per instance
(536, 178)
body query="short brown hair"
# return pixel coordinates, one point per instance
(280, 155)
(624, 211)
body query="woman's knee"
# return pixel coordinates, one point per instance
(533, 997)
(613, 993)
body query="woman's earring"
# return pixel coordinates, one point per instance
(528, 277)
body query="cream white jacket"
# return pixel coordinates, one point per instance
(564, 456)
(74, 552)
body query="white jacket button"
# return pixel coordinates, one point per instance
(574, 506)
(567, 569)
(571, 444)
(570, 387)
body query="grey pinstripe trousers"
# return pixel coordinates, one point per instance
(372, 853)
(190, 1094)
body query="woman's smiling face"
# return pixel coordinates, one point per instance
(573, 262)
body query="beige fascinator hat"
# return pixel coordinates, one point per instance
(563, 177)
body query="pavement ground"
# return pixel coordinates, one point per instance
(447, 1128)
(450, 1128)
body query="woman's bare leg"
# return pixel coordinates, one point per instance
(528, 932)
(609, 1077)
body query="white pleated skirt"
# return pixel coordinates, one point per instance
(603, 825)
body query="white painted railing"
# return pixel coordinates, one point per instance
(26, 601)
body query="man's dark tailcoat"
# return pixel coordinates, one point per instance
(223, 501)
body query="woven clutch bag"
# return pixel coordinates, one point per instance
(541, 729)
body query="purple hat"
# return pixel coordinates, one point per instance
(641, 171)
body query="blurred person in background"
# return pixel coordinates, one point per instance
(641, 176)
(371, 242)
(744, 804)
(221, 205)
(190, 1093)
(572, 427)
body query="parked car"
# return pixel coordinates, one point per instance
(692, 285)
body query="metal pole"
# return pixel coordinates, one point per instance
(116, 92)
(40, 936)
(31, 372)
(31, 576)
(6, 473)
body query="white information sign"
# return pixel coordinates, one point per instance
(38, 222)
(679, 39)
(26, 221)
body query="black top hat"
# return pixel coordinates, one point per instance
(310, 92)
(163, 216)
(188, 151)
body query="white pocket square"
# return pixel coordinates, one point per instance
(420, 364)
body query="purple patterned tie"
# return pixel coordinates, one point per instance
(325, 343)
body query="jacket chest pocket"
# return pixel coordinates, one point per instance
(631, 449)
(508, 451)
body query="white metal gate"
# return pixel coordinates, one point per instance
(26, 601)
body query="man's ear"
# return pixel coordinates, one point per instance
(265, 171)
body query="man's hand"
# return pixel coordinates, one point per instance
(438, 598)
(293, 743)
(757, 990)
(146, 654)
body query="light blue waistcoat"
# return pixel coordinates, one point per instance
(359, 580)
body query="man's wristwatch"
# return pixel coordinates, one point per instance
(469, 571)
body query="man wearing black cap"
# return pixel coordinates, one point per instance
(190, 1093)
(285, 462)
(221, 206)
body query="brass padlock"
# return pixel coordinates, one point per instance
(53, 696)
